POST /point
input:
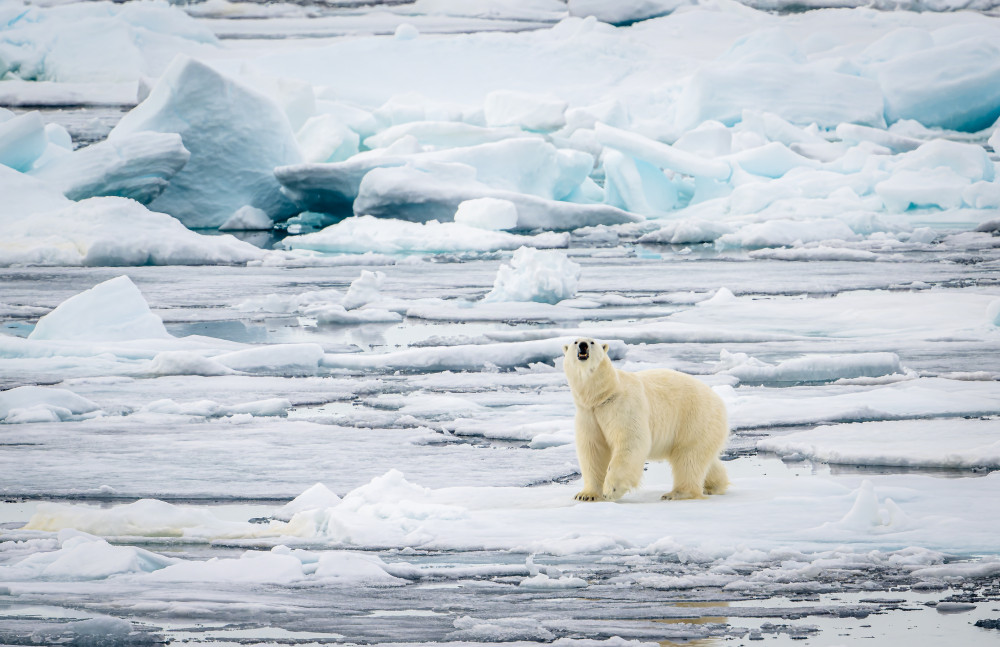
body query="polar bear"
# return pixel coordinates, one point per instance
(624, 419)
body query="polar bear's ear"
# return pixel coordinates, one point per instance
(605, 347)
(566, 348)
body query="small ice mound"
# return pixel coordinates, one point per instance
(82, 557)
(144, 518)
(814, 368)
(487, 213)
(301, 359)
(867, 515)
(546, 276)
(337, 315)
(406, 31)
(528, 111)
(42, 404)
(364, 290)
(248, 218)
(993, 312)
(688, 231)
(111, 311)
(469, 629)
(543, 582)
(22, 140)
(252, 567)
(317, 497)
(183, 362)
(343, 567)
(722, 296)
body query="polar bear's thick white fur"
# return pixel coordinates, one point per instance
(624, 419)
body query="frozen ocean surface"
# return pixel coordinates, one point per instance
(345, 421)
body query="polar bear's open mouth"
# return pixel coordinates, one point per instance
(583, 351)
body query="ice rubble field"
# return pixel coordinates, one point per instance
(363, 434)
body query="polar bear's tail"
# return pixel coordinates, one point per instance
(717, 480)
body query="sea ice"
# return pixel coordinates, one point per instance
(527, 111)
(951, 86)
(22, 140)
(93, 232)
(137, 166)
(808, 369)
(946, 443)
(111, 311)
(363, 234)
(487, 213)
(547, 276)
(43, 404)
(236, 137)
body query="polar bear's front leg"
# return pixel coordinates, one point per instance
(593, 453)
(628, 458)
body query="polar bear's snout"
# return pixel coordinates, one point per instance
(583, 351)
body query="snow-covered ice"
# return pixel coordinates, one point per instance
(358, 429)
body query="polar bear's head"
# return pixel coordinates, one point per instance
(584, 353)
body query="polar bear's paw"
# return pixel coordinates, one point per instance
(676, 495)
(587, 496)
(614, 490)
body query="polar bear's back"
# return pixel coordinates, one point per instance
(684, 411)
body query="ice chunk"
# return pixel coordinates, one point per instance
(939, 187)
(818, 368)
(298, 359)
(802, 94)
(363, 234)
(687, 231)
(251, 567)
(105, 231)
(521, 165)
(854, 133)
(660, 154)
(82, 557)
(37, 404)
(363, 290)
(236, 138)
(487, 213)
(114, 310)
(343, 567)
(464, 357)
(624, 12)
(527, 111)
(406, 31)
(954, 86)
(967, 160)
(317, 497)
(955, 443)
(135, 166)
(771, 160)
(143, 518)
(709, 139)
(547, 276)
(434, 193)
(443, 134)
(776, 233)
(325, 138)
(97, 42)
(338, 315)
(22, 140)
(24, 195)
(636, 185)
(183, 362)
(248, 218)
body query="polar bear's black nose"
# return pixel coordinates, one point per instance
(583, 351)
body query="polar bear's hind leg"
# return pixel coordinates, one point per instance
(717, 480)
(689, 477)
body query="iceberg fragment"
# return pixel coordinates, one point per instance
(114, 310)
(135, 166)
(546, 276)
(236, 137)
